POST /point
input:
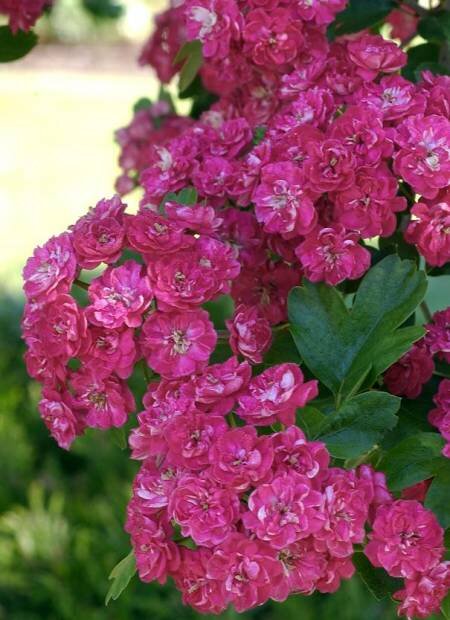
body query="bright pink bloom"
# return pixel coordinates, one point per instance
(216, 23)
(23, 14)
(372, 54)
(429, 231)
(322, 12)
(119, 297)
(213, 177)
(294, 453)
(240, 459)
(198, 218)
(51, 269)
(281, 203)
(60, 420)
(330, 167)
(198, 590)
(380, 492)
(272, 39)
(284, 510)
(178, 344)
(403, 22)
(250, 333)
(205, 511)
(105, 402)
(437, 338)
(336, 570)
(347, 499)
(153, 485)
(110, 350)
(303, 566)
(406, 539)
(154, 235)
(408, 376)
(217, 388)
(230, 138)
(333, 255)
(440, 417)
(393, 96)
(424, 157)
(169, 169)
(246, 569)
(275, 394)
(190, 439)
(424, 593)
(99, 236)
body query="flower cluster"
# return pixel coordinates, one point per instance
(311, 149)
(23, 14)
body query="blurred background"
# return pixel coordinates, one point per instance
(61, 514)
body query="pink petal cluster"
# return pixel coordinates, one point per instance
(408, 376)
(23, 14)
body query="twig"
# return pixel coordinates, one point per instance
(426, 311)
(81, 284)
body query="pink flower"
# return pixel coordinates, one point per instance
(217, 388)
(99, 236)
(61, 327)
(424, 157)
(153, 235)
(120, 296)
(302, 568)
(198, 590)
(272, 39)
(60, 420)
(284, 510)
(403, 22)
(204, 511)
(169, 169)
(408, 376)
(417, 491)
(240, 459)
(110, 350)
(250, 333)
(153, 485)
(380, 492)
(216, 23)
(213, 177)
(191, 437)
(393, 96)
(440, 417)
(281, 203)
(330, 167)
(23, 14)
(198, 218)
(275, 395)
(51, 269)
(406, 539)
(190, 278)
(372, 54)
(178, 344)
(429, 231)
(437, 338)
(322, 12)
(424, 593)
(333, 255)
(347, 499)
(336, 570)
(105, 402)
(294, 453)
(230, 138)
(246, 569)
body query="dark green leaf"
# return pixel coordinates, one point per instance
(121, 575)
(259, 134)
(343, 347)
(104, 9)
(15, 46)
(142, 104)
(435, 27)
(119, 437)
(191, 54)
(438, 496)
(427, 52)
(414, 459)
(283, 349)
(310, 420)
(445, 607)
(359, 424)
(434, 67)
(360, 14)
(377, 580)
(187, 196)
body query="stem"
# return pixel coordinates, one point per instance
(280, 327)
(426, 311)
(437, 373)
(148, 375)
(409, 195)
(81, 284)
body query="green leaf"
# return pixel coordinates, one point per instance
(191, 54)
(310, 420)
(438, 496)
(187, 196)
(425, 53)
(358, 15)
(414, 459)
(104, 9)
(259, 134)
(15, 46)
(359, 424)
(119, 437)
(142, 104)
(378, 582)
(346, 347)
(121, 575)
(435, 27)
(445, 607)
(434, 67)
